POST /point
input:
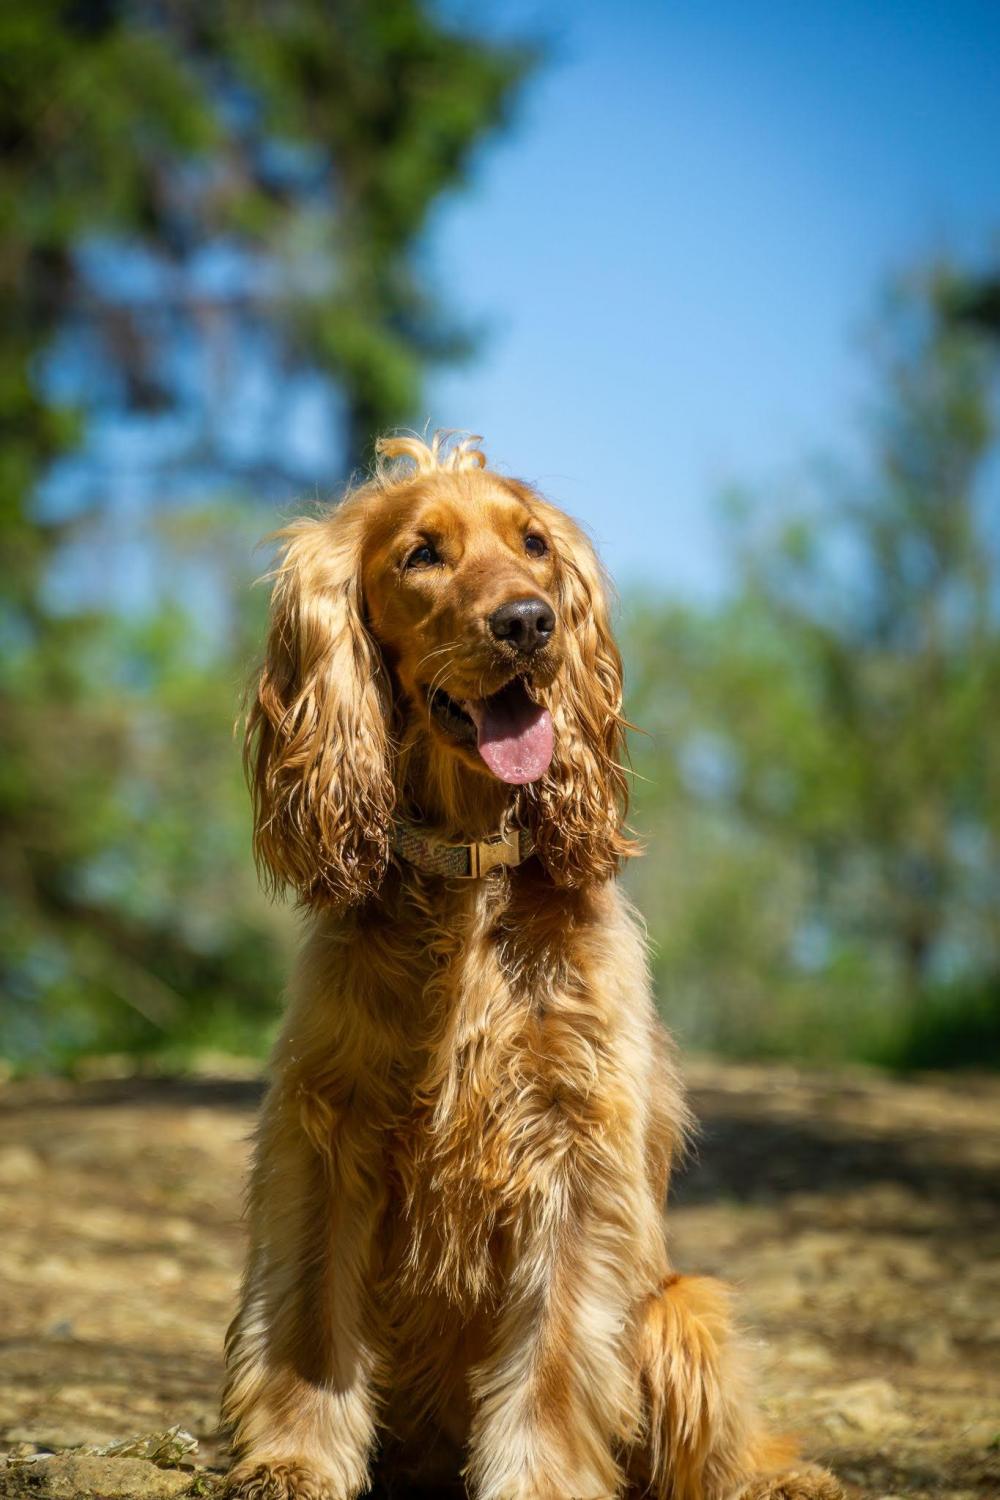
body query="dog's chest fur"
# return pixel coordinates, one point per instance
(501, 1074)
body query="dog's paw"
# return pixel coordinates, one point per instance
(807, 1483)
(279, 1481)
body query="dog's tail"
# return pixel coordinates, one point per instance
(703, 1440)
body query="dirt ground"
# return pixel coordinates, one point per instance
(860, 1218)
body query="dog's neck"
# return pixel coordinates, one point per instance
(440, 793)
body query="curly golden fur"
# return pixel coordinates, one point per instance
(456, 1206)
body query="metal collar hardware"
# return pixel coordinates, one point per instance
(461, 861)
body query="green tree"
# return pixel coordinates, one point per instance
(829, 739)
(313, 137)
(398, 102)
(973, 300)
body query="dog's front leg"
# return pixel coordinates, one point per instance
(555, 1397)
(301, 1352)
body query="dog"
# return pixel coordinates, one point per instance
(456, 1205)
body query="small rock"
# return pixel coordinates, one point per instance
(20, 1450)
(927, 1344)
(18, 1164)
(169, 1449)
(70, 1476)
(807, 1359)
(53, 1439)
(871, 1407)
(178, 1231)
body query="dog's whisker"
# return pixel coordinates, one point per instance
(433, 686)
(437, 650)
(438, 678)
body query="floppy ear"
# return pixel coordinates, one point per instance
(582, 799)
(317, 748)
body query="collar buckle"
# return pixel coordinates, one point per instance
(488, 854)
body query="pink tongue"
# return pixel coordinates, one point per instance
(514, 735)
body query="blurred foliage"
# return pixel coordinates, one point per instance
(818, 786)
(973, 301)
(311, 139)
(131, 920)
(823, 768)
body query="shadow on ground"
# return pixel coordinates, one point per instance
(859, 1218)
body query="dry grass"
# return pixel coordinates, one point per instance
(861, 1217)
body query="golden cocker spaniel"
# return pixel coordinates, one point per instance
(456, 1205)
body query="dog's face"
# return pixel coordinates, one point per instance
(460, 587)
(457, 610)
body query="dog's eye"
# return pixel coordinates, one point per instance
(535, 545)
(423, 556)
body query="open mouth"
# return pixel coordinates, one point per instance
(512, 733)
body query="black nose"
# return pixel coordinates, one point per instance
(524, 624)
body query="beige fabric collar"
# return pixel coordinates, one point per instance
(461, 861)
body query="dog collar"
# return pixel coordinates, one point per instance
(462, 861)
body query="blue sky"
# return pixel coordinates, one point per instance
(676, 250)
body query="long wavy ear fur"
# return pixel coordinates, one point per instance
(582, 800)
(317, 750)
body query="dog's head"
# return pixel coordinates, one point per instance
(440, 639)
